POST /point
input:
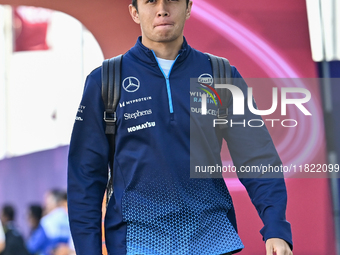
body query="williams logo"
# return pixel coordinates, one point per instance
(204, 97)
(131, 84)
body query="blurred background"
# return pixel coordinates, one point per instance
(47, 48)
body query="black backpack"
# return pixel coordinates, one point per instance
(111, 79)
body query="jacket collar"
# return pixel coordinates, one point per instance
(145, 54)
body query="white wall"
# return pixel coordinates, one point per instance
(45, 87)
(5, 49)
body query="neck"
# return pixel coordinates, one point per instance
(165, 50)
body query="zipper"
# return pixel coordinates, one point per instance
(167, 80)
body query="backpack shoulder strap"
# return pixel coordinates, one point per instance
(111, 93)
(222, 71)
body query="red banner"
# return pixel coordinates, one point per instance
(30, 28)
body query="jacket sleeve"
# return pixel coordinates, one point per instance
(253, 146)
(37, 241)
(88, 169)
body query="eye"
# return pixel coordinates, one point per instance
(151, 1)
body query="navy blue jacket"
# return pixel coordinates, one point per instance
(156, 207)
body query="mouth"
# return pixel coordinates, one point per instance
(164, 25)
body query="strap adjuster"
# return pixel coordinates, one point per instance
(109, 118)
(222, 113)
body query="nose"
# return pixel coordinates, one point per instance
(163, 9)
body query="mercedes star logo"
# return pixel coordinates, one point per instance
(131, 84)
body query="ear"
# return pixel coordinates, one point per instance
(134, 13)
(189, 10)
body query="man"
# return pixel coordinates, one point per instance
(53, 228)
(156, 208)
(14, 242)
(34, 216)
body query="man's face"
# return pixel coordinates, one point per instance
(161, 20)
(50, 203)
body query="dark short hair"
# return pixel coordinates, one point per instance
(134, 3)
(35, 211)
(59, 195)
(9, 212)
